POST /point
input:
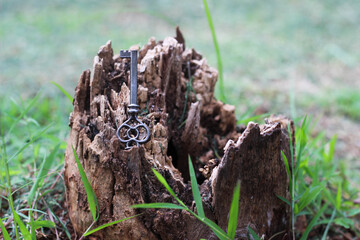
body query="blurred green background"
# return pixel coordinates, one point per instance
(272, 51)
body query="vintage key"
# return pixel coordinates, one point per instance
(132, 131)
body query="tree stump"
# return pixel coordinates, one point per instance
(176, 98)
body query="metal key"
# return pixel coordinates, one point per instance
(133, 125)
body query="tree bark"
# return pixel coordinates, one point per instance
(176, 98)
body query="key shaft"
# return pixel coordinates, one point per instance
(133, 107)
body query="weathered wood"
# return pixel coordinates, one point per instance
(184, 121)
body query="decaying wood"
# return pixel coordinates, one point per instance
(185, 120)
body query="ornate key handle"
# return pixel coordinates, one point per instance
(130, 131)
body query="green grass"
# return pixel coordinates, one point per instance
(30, 164)
(293, 57)
(90, 194)
(319, 186)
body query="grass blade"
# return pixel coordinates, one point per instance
(217, 50)
(158, 205)
(26, 234)
(61, 223)
(215, 228)
(168, 188)
(234, 212)
(309, 196)
(313, 222)
(329, 196)
(43, 223)
(195, 191)
(329, 224)
(63, 91)
(8, 182)
(293, 174)
(45, 166)
(338, 197)
(92, 200)
(287, 169)
(5, 233)
(108, 224)
(284, 200)
(330, 155)
(253, 233)
(344, 222)
(353, 212)
(32, 227)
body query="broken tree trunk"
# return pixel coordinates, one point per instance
(176, 98)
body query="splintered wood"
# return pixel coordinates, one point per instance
(176, 98)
